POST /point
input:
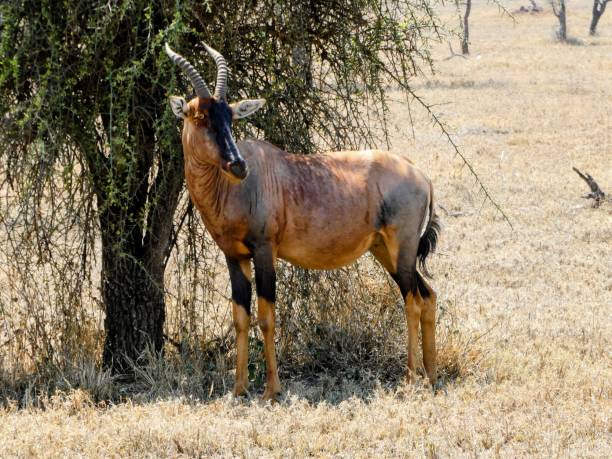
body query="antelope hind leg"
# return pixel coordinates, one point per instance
(428, 328)
(413, 315)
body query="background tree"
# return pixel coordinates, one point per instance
(90, 153)
(465, 36)
(558, 7)
(464, 21)
(599, 6)
(90, 160)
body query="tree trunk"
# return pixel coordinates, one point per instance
(465, 40)
(133, 294)
(134, 255)
(599, 6)
(562, 32)
(136, 221)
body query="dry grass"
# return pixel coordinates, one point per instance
(525, 330)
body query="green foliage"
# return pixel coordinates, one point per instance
(323, 66)
(82, 90)
(90, 151)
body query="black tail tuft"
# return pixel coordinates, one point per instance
(428, 242)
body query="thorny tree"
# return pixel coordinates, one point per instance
(91, 168)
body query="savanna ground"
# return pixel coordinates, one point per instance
(525, 325)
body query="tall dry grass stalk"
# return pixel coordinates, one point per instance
(348, 324)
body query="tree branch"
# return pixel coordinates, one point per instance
(596, 192)
(454, 146)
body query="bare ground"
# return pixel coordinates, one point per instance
(531, 304)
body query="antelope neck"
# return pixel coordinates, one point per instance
(208, 186)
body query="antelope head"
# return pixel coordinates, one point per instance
(207, 128)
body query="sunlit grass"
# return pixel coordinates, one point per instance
(524, 332)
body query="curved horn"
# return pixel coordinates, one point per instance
(221, 84)
(196, 80)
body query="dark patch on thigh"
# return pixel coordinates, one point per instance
(386, 211)
(406, 281)
(241, 286)
(423, 290)
(406, 274)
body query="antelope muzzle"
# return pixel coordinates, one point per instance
(238, 168)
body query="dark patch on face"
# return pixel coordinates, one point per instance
(241, 286)
(204, 104)
(220, 125)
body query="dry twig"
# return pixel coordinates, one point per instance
(596, 192)
(453, 53)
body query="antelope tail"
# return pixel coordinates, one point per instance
(429, 238)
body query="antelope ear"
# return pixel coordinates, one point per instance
(179, 107)
(246, 107)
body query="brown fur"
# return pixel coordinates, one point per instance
(321, 212)
(242, 323)
(267, 323)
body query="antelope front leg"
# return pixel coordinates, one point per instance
(240, 278)
(265, 282)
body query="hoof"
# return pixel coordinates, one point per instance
(411, 377)
(417, 377)
(270, 395)
(240, 390)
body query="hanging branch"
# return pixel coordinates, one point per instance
(453, 53)
(437, 122)
(458, 152)
(503, 10)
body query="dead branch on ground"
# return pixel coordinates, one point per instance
(596, 192)
(453, 53)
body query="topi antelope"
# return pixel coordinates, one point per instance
(321, 211)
